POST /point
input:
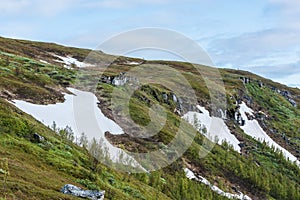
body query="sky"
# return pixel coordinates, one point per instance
(261, 36)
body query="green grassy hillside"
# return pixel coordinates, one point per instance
(38, 170)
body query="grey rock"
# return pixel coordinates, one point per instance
(242, 144)
(38, 138)
(286, 94)
(165, 97)
(243, 122)
(78, 192)
(292, 102)
(222, 114)
(174, 98)
(245, 80)
(248, 100)
(120, 80)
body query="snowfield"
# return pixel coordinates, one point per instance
(217, 130)
(190, 175)
(253, 129)
(81, 113)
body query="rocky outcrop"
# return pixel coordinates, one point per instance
(181, 105)
(286, 94)
(38, 138)
(245, 80)
(260, 83)
(78, 192)
(119, 80)
(7, 94)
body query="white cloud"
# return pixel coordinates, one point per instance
(292, 80)
(13, 6)
(289, 6)
(265, 48)
(33, 7)
(117, 4)
(107, 4)
(271, 53)
(14, 28)
(272, 39)
(54, 7)
(288, 12)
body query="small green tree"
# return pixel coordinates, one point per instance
(83, 140)
(54, 127)
(196, 123)
(66, 133)
(4, 169)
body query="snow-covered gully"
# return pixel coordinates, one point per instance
(217, 131)
(80, 112)
(191, 175)
(251, 127)
(215, 128)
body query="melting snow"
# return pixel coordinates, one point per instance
(216, 128)
(190, 175)
(43, 61)
(81, 113)
(253, 129)
(68, 61)
(133, 63)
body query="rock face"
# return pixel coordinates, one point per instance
(38, 138)
(119, 80)
(181, 104)
(286, 94)
(245, 80)
(78, 192)
(260, 83)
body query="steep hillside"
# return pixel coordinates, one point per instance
(40, 73)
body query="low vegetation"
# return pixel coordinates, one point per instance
(31, 169)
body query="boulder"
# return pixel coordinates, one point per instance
(242, 144)
(38, 138)
(245, 80)
(260, 83)
(174, 97)
(78, 192)
(165, 97)
(292, 102)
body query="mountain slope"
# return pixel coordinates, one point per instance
(35, 72)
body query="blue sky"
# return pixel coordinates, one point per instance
(261, 36)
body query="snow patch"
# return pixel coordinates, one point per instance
(216, 129)
(133, 63)
(191, 175)
(43, 61)
(253, 129)
(81, 113)
(69, 61)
